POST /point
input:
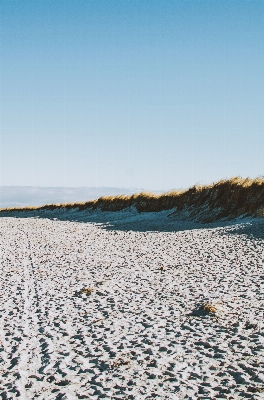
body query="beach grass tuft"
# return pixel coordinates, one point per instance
(87, 291)
(210, 308)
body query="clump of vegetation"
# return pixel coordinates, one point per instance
(87, 291)
(119, 363)
(256, 389)
(226, 199)
(210, 308)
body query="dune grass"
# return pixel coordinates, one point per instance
(226, 199)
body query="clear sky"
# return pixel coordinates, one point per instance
(150, 94)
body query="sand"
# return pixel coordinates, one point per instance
(98, 306)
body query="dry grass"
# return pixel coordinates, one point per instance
(256, 389)
(87, 291)
(120, 362)
(210, 308)
(224, 199)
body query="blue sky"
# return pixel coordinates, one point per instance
(145, 94)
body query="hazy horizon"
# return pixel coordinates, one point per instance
(15, 196)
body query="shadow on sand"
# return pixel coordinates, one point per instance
(253, 229)
(132, 220)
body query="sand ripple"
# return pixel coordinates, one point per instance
(89, 313)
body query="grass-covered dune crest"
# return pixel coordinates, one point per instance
(226, 199)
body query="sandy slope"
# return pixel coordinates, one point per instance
(141, 333)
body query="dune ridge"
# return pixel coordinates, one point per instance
(225, 199)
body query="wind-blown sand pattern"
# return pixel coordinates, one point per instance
(117, 305)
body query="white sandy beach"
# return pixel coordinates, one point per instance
(141, 331)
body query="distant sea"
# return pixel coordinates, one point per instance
(15, 196)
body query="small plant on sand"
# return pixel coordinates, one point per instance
(87, 291)
(120, 362)
(256, 389)
(210, 308)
